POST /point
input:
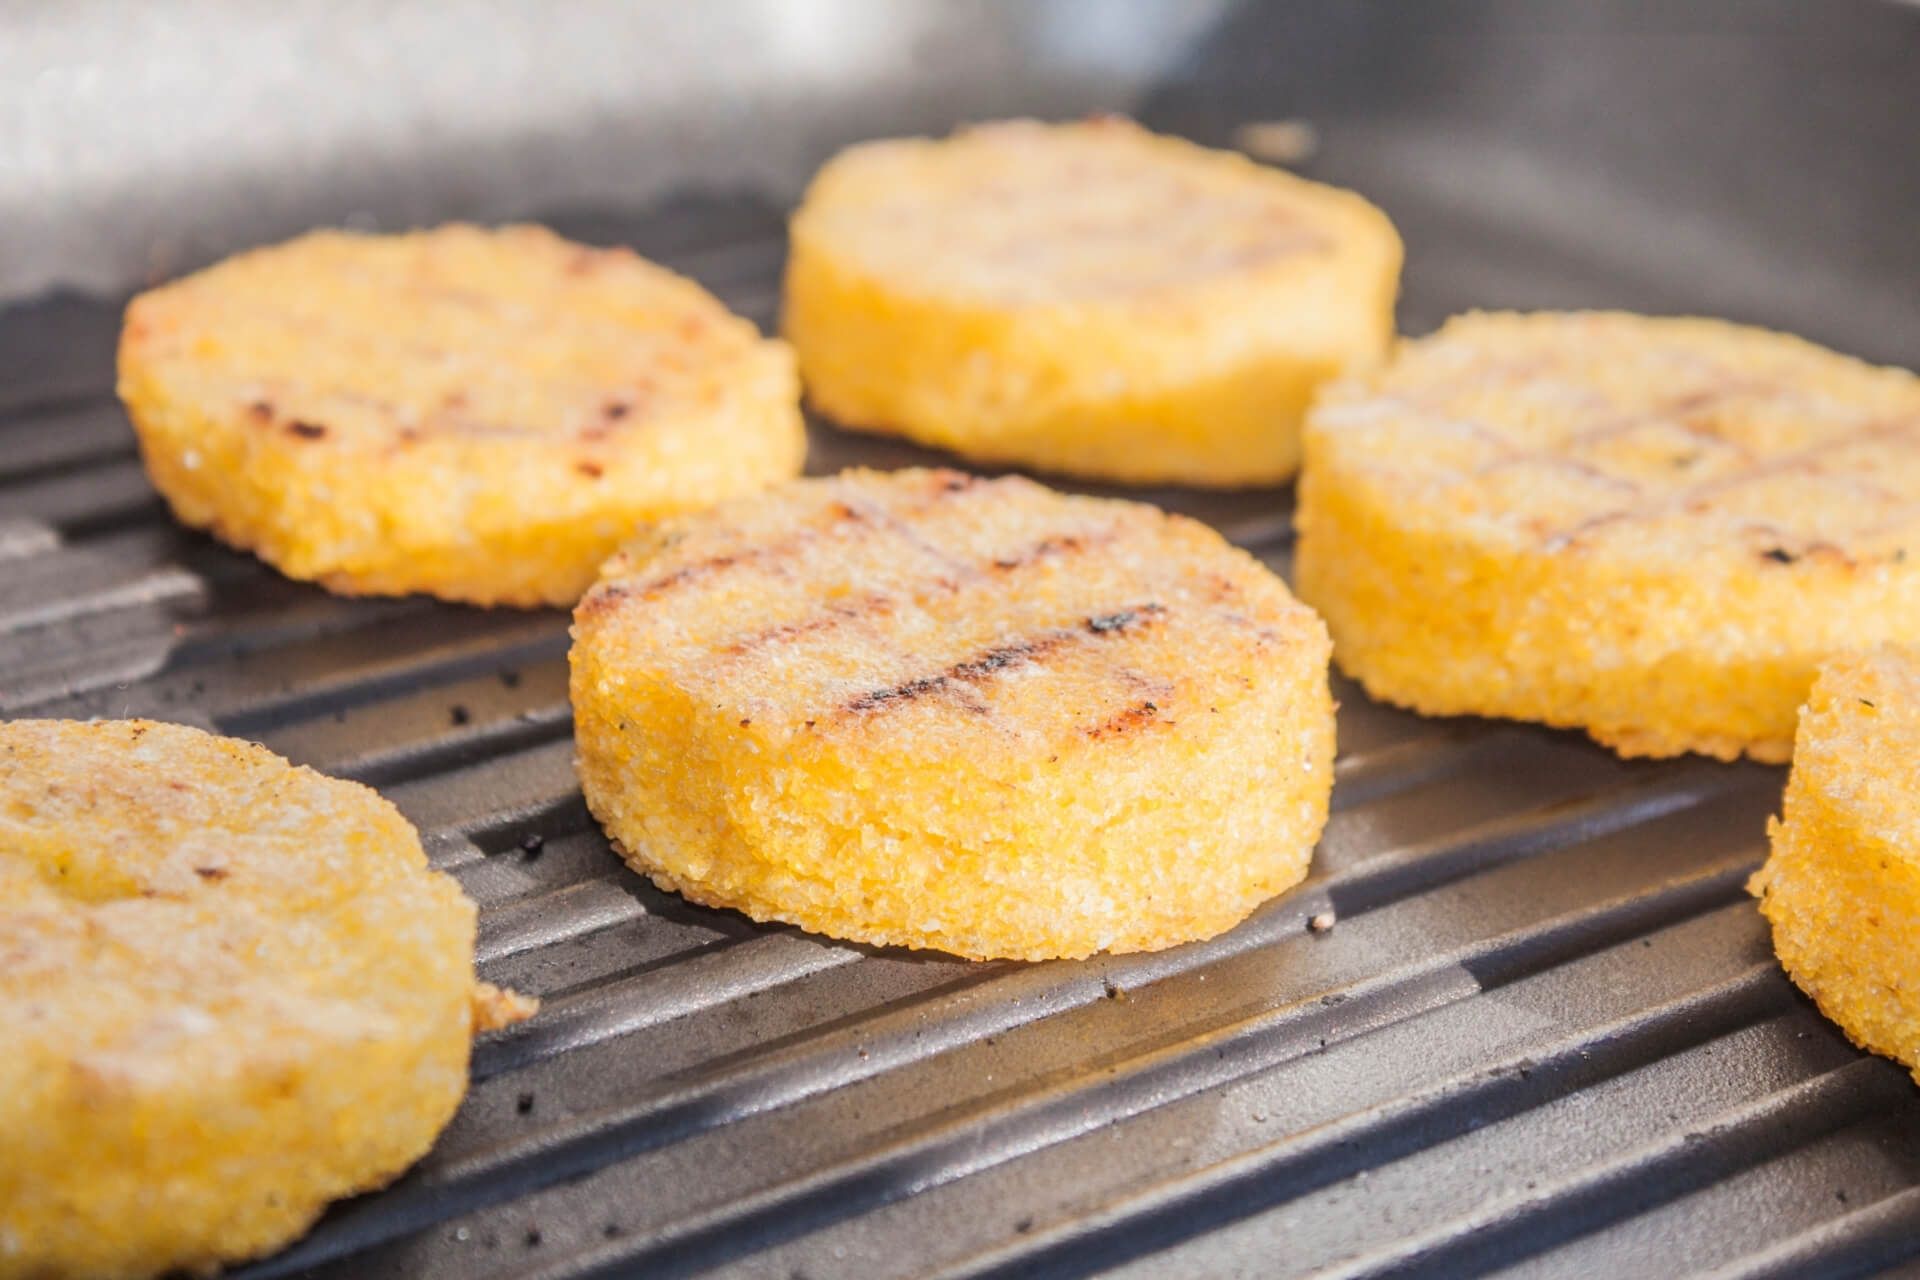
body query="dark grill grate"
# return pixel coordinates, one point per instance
(1545, 1035)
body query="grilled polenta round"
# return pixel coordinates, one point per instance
(1653, 529)
(1842, 886)
(1089, 298)
(481, 415)
(920, 709)
(233, 992)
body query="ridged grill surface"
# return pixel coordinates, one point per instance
(1545, 1036)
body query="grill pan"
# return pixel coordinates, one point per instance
(1545, 1036)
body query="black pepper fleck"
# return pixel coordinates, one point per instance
(533, 844)
(306, 430)
(524, 1104)
(511, 679)
(458, 714)
(1778, 556)
(533, 1237)
(1023, 1226)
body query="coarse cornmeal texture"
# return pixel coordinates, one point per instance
(1090, 299)
(1653, 529)
(481, 415)
(1842, 886)
(233, 992)
(926, 710)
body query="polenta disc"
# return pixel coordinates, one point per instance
(1842, 886)
(481, 415)
(924, 710)
(1652, 529)
(1090, 299)
(234, 992)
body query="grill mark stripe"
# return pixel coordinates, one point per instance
(837, 615)
(1784, 464)
(981, 669)
(607, 596)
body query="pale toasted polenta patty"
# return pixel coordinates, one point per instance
(932, 711)
(1652, 529)
(233, 992)
(482, 415)
(1091, 299)
(1842, 885)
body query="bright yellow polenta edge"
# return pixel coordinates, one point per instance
(382, 520)
(1842, 885)
(1711, 655)
(1176, 839)
(1203, 386)
(111, 1176)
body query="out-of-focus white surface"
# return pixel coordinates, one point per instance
(139, 139)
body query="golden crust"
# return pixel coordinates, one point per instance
(1842, 885)
(482, 415)
(923, 710)
(234, 992)
(1089, 299)
(1652, 529)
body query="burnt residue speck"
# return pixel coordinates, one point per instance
(262, 410)
(617, 409)
(533, 845)
(524, 1104)
(511, 679)
(211, 873)
(611, 1231)
(1023, 1226)
(533, 1237)
(306, 430)
(1101, 624)
(458, 714)
(1778, 555)
(1112, 990)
